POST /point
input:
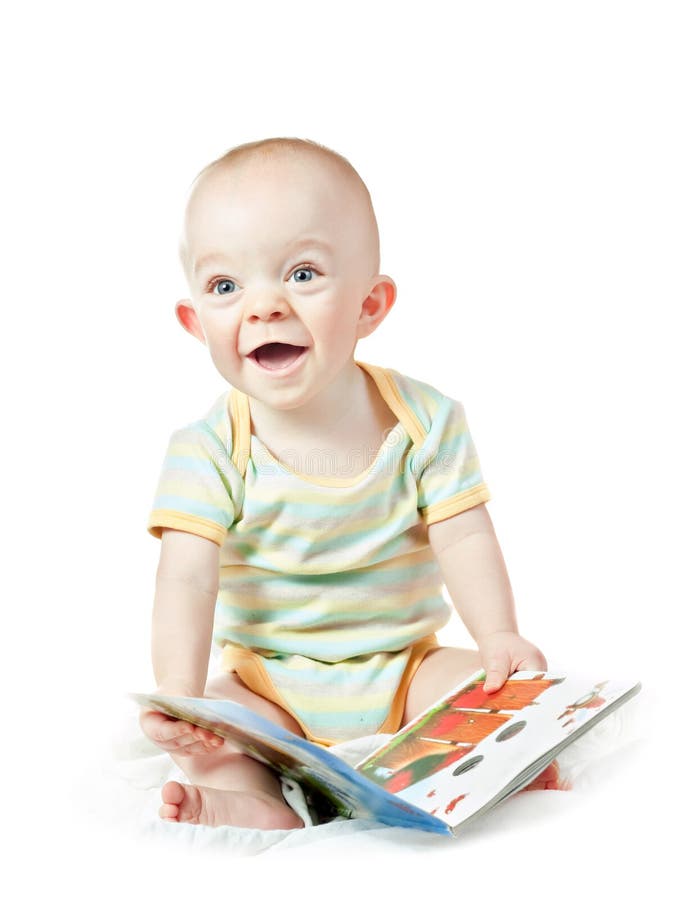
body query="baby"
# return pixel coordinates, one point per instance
(309, 520)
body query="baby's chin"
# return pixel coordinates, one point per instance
(294, 386)
(275, 397)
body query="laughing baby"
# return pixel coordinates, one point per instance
(310, 520)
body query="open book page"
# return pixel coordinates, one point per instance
(331, 785)
(472, 749)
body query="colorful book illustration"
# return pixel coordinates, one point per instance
(458, 759)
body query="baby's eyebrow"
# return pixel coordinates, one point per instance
(303, 243)
(208, 260)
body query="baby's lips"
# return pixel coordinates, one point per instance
(277, 355)
(279, 339)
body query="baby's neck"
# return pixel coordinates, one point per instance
(345, 400)
(348, 422)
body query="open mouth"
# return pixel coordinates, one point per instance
(276, 355)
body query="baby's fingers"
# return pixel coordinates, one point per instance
(197, 748)
(156, 725)
(177, 736)
(193, 734)
(164, 730)
(170, 730)
(208, 737)
(199, 738)
(187, 745)
(497, 670)
(534, 661)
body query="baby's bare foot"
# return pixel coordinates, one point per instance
(209, 806)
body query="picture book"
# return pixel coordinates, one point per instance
(454, 762)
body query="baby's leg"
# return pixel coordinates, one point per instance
(227, 787)
(442, 669)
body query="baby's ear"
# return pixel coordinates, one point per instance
(188, 319)
(376, 305)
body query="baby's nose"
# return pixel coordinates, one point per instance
(267, 305)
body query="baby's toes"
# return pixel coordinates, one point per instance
(183, 803)
(168, 812)
(172, 794)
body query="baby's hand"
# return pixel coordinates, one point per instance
(505, 652)
(176, 736)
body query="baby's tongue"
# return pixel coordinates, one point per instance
(277, 356)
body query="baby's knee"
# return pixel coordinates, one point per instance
(442, 670)
(229, 686)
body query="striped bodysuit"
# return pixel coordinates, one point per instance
(329, 592)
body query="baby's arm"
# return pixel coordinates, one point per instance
(187, 581)
(475, 575)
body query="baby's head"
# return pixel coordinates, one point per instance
(281, 252)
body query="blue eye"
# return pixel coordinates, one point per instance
(306, 273)
(223, 286)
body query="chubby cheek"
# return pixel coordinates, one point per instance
(223, 353)
(337, 324)
(219, 358)
(223, 356)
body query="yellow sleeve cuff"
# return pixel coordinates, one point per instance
(169, 518)
(454, 505)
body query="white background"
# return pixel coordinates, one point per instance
(521, 159)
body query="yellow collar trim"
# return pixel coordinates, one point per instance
(389, 391)
(240, 419)
(240, 414)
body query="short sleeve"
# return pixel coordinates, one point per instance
(447, 468)
(199, 487)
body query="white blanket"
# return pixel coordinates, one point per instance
(128, 790)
